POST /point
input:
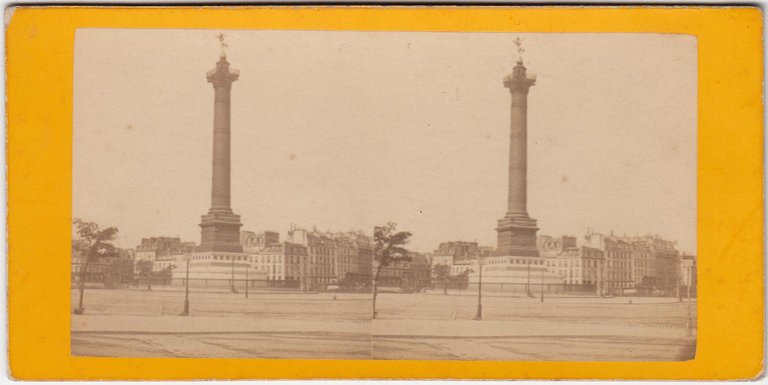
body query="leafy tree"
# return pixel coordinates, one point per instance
(145, 270)
(94, 244)
(388, 249)
(463, 278)
(166, 274)
(441, 272)
(112, 275)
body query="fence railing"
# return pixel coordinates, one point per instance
(316, 285)
(534, 288)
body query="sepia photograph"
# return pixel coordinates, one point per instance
(300, 194)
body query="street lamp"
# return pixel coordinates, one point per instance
(680, 283)
(185, 312)
(690, 314)
(232, 279)
(528, 283)
(479, 314)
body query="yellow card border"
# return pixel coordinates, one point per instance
(39, 46)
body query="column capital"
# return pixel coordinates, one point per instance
(222, 75)
(518, 80)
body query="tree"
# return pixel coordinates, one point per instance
(463, 278)
(388, 249)
(94, 244)
(166, 274)
(113, 274)
(145, 270)
(442, 272)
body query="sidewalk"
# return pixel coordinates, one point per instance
(491, 329)
(99, 324)
(132, 324)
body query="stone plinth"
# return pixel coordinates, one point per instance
(220, 232)
(517, 236)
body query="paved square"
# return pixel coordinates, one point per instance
(140, 323)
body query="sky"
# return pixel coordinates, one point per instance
(347, 130)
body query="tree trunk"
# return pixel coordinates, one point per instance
(83, 270)
(445, 286)
(376, 288)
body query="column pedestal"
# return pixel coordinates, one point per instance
(517, 237)
(220, 232)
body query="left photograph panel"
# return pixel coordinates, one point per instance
(168, 260)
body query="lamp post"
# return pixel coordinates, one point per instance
(599, 278)
(679, 284)
(232, 278)
(690, 314)
(479, 314)
(185, 312)
(246, 282)
(528, 283)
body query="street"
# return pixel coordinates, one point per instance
(141, 323)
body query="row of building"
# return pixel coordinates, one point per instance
(306, 259)
(319, 260)
(603, 263)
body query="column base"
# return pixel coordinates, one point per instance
(220, 232)
(517, 236)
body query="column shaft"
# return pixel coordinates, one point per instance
(220, 192)
(518, 155)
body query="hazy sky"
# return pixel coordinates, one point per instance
(347, 130)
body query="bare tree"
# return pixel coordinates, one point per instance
(388, 249)
(94, 244)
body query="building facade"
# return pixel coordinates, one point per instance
(459, 256)
(346, 259)
(151, 248)
(688, 272)
(364, 247)
(580, 268)
(550, 246)
(321, 250)
(253, 242)
(618, 261)
(646, 264)
(284, 264)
